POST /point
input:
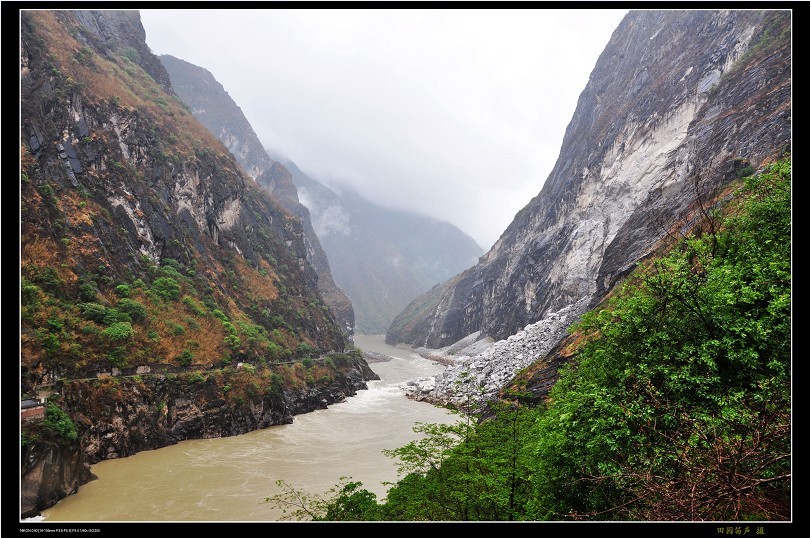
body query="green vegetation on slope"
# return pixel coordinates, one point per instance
(676, 405)
(99, 292)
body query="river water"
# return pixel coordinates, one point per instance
(227, 479)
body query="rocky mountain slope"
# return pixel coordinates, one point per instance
(150, 265)
(381, 259)
(678, 104)
(211, 104)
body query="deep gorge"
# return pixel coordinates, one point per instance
(175, 296)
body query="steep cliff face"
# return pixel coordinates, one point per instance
(144, 244)
(50, 470)
(118, 417)
(211, 104)
(382, 258)
(121, 188)
(678, 102)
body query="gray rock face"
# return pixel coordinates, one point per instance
(676, 102)
(49, 472)
(211, 104)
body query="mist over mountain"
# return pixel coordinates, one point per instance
(382, 258)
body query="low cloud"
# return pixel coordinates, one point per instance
(326, 220)
(457, 114)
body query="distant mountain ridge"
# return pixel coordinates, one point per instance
(382, 258)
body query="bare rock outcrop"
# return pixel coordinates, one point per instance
(677, 104)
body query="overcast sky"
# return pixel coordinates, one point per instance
(458, 114)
